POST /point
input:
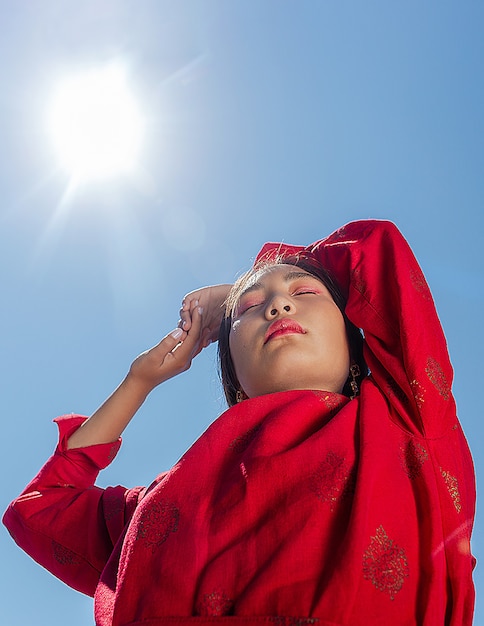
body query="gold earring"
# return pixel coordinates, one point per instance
(239, 396)
(354, 373)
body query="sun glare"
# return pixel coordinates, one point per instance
(96, 125)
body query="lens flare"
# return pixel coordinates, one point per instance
(96, 124)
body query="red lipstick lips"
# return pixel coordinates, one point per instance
(283, 327)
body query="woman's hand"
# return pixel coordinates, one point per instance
(212, 300)
(170, 357)
(173, 355)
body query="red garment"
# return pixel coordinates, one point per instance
(293, 508)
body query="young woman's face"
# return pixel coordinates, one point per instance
(287, 333)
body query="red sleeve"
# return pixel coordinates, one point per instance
(388, 298)
(66, 523)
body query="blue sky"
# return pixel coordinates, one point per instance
(266, 120)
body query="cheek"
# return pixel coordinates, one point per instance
(235, 339)
(335, 329)
(239, 346)
(340, 328)
(234, 343)
(343, 341)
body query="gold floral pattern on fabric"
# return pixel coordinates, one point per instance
(331, 401)
(214, 604)
(413, 456)
(419, 283)
(158, 521)
(241, 443)
(418, 393)
(452, 485)
(332, 480)
(63, 555)
(437, 377)
(385, 564)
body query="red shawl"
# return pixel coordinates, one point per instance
(293, 508)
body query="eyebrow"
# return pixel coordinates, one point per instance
(287, 278)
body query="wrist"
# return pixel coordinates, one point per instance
(137, 388)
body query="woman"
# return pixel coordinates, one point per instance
(323, 495)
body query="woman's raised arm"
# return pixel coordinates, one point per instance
(388, 297)
(62, 519)
(201, 314)
(173, 355)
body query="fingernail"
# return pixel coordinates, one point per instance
(184, 324)
(200, 309)
(177, 333)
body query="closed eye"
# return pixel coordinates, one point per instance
(303, 292)
(246, 307)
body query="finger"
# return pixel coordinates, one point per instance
(193, 305)
(188, 348)
(188, 306)
(186, 302)
(194, 335)
(185, 320)
(169, 343)
(203, 342)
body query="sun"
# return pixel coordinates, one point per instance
(96, 124)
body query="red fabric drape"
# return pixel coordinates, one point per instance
(299, 507)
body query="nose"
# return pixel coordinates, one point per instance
(279, 305)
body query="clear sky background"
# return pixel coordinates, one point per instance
(265, 120)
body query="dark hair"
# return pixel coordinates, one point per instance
(228, 376)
